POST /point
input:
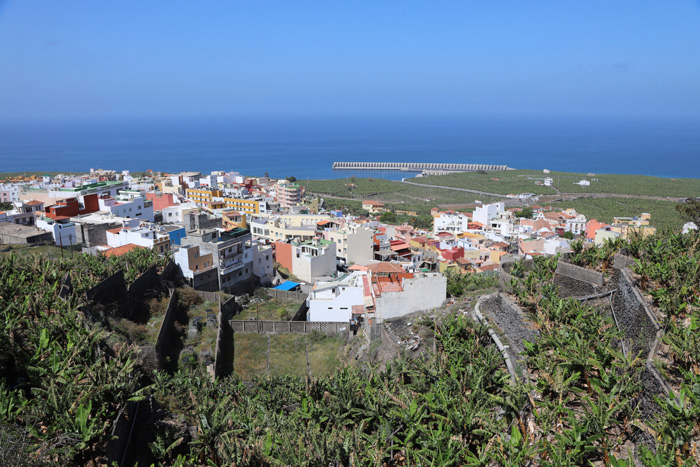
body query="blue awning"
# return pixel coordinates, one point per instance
(288, 285)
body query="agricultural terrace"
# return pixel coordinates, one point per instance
(523, 181)
(395, 195)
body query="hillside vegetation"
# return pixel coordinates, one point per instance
(64, 383)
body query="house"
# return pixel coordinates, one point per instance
(136, 208)
(147, 236)
(263, 262)
(307, 260)
(232, 256)
(486, 212)
(197, 268)
(373, 207)
(160, 200)
(583, 183)
(354, 243)
(338, 299)
(63, 232)
(91, 229)
(451, 221)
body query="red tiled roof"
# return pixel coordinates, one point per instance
(373, 203)
(384, 267)
(120, 250)
(33, 203)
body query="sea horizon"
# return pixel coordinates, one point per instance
(306, 147)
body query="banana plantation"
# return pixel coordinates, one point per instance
(581, 400)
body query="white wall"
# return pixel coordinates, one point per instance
(338, 309)
(420, 293)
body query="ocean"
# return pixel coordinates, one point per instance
(307, 147)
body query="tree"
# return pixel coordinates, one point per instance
(292, 179)
(6, 206)
(690, 210)
(525, 213)
(568, 235)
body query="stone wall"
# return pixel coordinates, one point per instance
(286, 327)
(621, 261)
(580, 274)
(511, 321)
(210, 296)
(633, 316)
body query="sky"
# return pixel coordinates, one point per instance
(73, 59)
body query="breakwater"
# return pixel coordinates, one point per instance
(415, 166)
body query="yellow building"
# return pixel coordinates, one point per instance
(248, 206)
(202, 195)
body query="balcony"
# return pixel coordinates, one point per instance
(231, 263)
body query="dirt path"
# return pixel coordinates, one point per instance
(485, 193)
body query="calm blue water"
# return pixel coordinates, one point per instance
(306, 147)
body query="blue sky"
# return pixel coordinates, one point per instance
(109, 59)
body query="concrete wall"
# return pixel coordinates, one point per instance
(93, 234)
(286, 327)
(167, 330)
(283, 255)
(110, 290)
(421, 293)
(149, 279)
(223, 355)
(287, 295)
(308, 268)
(336, 309)
(228, 307)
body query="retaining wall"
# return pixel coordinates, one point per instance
(170, 271)
(286, 327)
(511, 321)
(228, 307)
(621, 261)
(223, 355)
(167, 328)
(149, 279)
(580, 274)
(110, 290)
(66, 287)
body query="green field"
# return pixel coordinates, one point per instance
(663, 213)
(519, 181)
(395, 194)
(271, 309)
(287, 354)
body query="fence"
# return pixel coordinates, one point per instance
(287, 295)
(210, 296)
(286, 327)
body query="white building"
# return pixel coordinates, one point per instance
(484, 214)
(63, 233)
(453, 222)
(176, 214)
(548, 181)
(313, 259)
(354, 243)
(136, 208)
(583, 183)
(335, 300)
(263, 262)
(145, 236)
